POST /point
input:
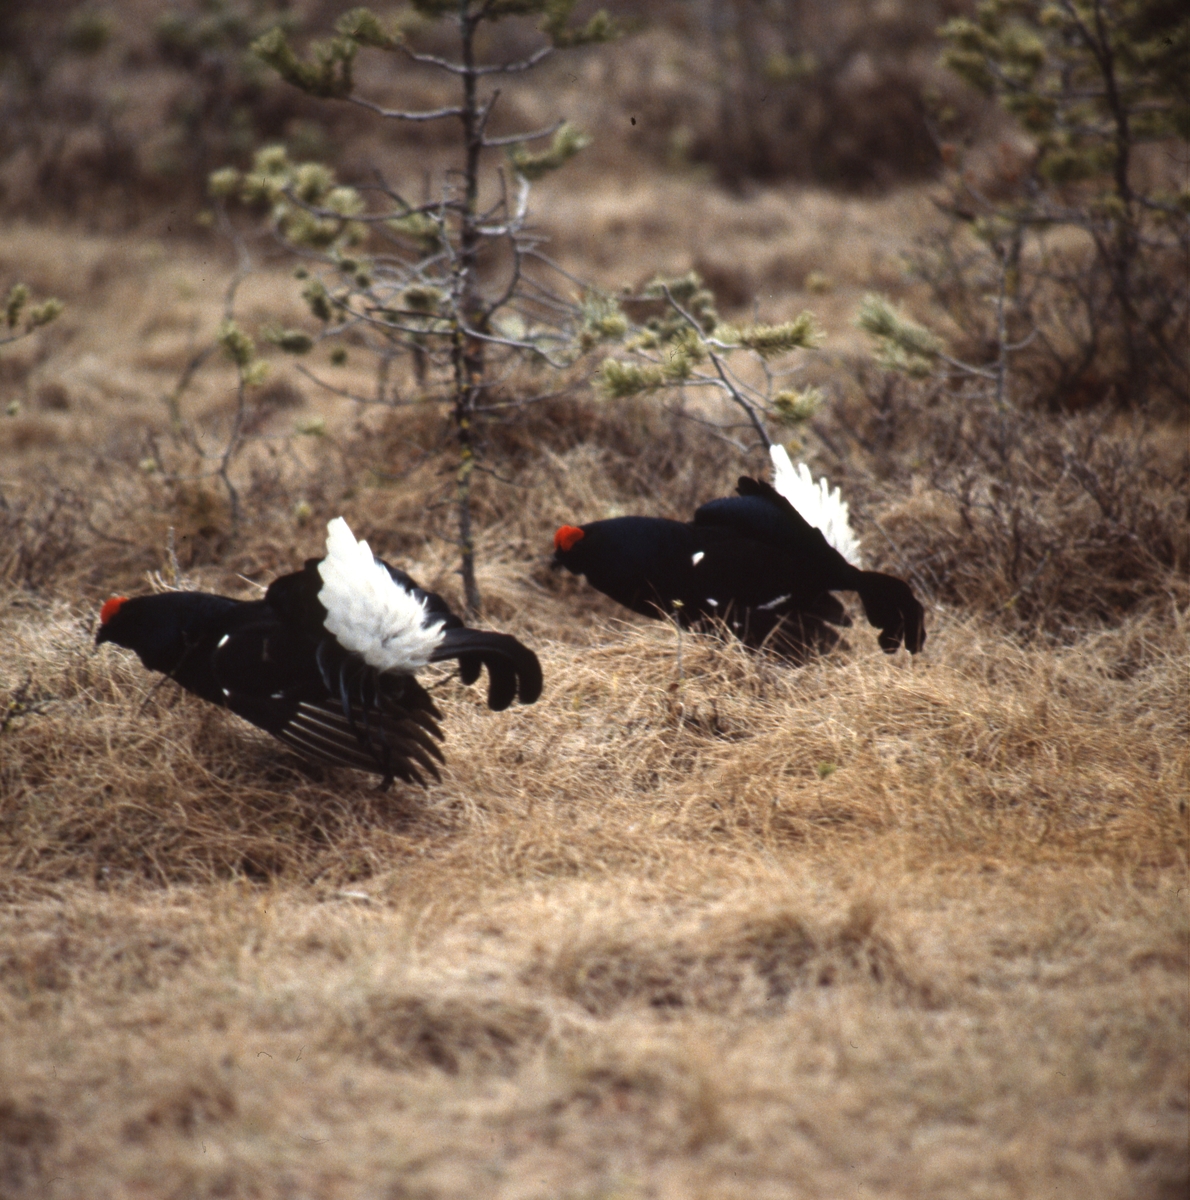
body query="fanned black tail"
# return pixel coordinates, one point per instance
(382, 723)
(890, 605)
(513, 669)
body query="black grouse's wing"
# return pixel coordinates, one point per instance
(339, 708)
(761, 512)
(338, 711)
(318, 730)
(397, 736)
(513, 669)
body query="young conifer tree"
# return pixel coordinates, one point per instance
(1101, 91)
(404, 277)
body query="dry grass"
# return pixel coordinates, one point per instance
(984, 748)
(725, 1030)
(694, 925)
(908, 929)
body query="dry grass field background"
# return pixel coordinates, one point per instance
(696, 924)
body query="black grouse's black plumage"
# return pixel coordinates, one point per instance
(273, 662)
(749, 560)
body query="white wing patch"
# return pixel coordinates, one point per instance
(368, 612)
(820, 504)
(697, 557)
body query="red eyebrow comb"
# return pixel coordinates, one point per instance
(110, 608)
(567, 537)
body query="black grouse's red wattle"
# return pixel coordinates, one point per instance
(326, 660)
(751, 561)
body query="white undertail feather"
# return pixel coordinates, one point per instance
(368, 612)
(820, 504)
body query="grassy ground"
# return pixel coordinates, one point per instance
(694, 925)
(642, 941)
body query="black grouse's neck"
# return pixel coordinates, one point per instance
(163, 628)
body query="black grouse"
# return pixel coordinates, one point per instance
(326, 660)
(751, 560)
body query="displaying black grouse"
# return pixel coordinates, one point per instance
(751, 560)
(326, 660)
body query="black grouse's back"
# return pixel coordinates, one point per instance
(513, 669)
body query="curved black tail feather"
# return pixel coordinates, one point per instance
(890, 605)
(513, 669)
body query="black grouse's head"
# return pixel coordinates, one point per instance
(568, 548)
(145, 625)
(160, 627)
(111, 627)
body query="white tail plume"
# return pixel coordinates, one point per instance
(367, 611)
(821, 505)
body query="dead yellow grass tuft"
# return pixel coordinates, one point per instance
(731, 1022)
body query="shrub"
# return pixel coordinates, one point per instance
(832, 93)
(1082, 230)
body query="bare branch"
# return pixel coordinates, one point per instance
(515, 139)
(396, 114)
(738, 397)
(513, 68)
(341, 392)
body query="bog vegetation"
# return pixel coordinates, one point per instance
(696, 923)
